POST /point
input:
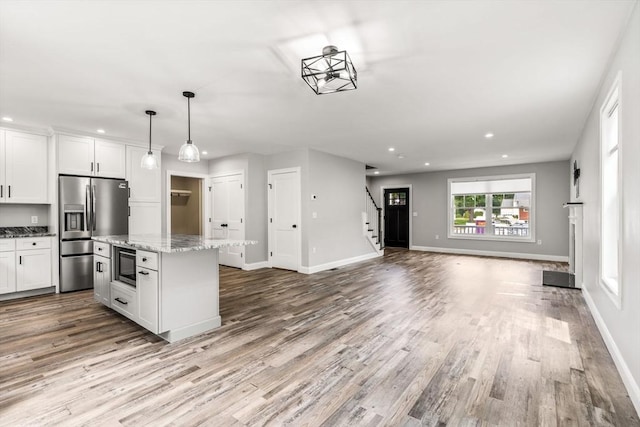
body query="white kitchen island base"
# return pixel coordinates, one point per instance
(189, 299)
(176, 292)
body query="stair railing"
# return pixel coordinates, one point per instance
(374, 217)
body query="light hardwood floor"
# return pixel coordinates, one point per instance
(408, 339)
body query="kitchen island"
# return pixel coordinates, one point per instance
(172, 289)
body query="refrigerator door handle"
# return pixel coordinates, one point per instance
(93, 206)
(87, 200)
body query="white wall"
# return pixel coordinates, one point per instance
(430, 200)
(619, 326)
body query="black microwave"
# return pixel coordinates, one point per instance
(125, 270)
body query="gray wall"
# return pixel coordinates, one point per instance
(338, 183)
(621, 325)
(20, 215)
(430, 201)
(255, 199)
(336, 233)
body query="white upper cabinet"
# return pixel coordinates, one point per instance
(145, 184)
(110, 159)
(79, 155)
(23, 168)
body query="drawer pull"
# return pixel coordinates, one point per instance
(121, 301)
(100, 249)
(146, 273)
(34, 243)
(144, 259)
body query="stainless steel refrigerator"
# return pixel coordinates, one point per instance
(88, 207)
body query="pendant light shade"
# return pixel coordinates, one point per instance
(149, 161)
(189, 152)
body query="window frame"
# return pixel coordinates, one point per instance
(613, 100)
(489, 210)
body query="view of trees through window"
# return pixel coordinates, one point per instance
(509, 213)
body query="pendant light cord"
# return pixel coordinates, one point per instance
(150, 115)
(189, 119)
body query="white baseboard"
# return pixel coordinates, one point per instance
(537, 257)
(623, 369)
(256, 265)
(336, 264)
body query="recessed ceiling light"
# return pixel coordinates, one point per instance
(205, 153)
(7, 119)
(376, 173)
(392, 149)
(488, 135)
(504, 156)
(400, 156)
(427, 164)
(100, 131)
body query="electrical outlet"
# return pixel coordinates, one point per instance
(34, 219)
(313, 250)
(540, 241)
(437, 236)
(314, 214)
(415, 214)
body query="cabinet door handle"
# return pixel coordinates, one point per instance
(145, 273)
(20, 259)
(9, 190)
(98, 166)
(1, 191)
(98, 266)
(121, 301)
(91, 166)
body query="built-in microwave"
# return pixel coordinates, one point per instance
(125, 270)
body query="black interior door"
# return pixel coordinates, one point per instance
(396, 217)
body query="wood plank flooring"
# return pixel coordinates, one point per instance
(408, 339)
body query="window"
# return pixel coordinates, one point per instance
(397, 199)
(492, 208)
(610, 192)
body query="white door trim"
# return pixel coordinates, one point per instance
(384, 206)
(270, 173)
(205, 199)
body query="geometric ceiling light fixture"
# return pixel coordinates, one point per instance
(189, 152)
(149, 161)
(330, 72)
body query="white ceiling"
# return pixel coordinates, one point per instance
(433, 76)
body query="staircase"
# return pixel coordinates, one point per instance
(372, 222)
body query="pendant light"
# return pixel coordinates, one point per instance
(149, 161)
(189, 152)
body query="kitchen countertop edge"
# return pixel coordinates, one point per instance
(171, 243)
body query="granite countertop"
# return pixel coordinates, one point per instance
(21, 232)
(170, 243)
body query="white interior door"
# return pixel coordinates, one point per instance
(227, 216)
(284, 218)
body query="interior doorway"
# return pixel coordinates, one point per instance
(396, 217)
(284, 203)
(227, 215)
(186, 205)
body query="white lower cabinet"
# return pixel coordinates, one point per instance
(139, 303)
(147, 290)
(7, 272)
(124, 300)
(33, 270)
(102, 280)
